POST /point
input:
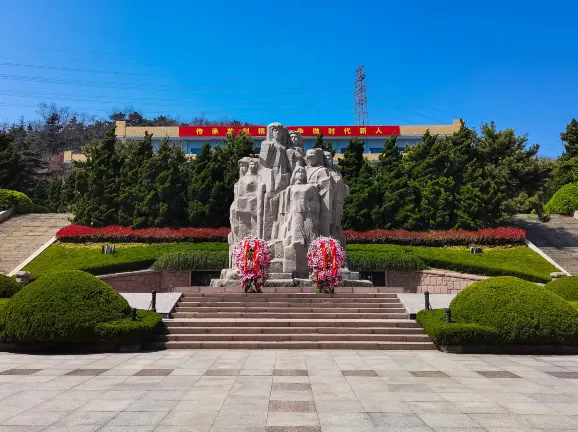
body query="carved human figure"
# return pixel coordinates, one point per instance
(341, 191)
(245, 205)
(295, 152)
(302, 221)
(273, 157)
(320, 176)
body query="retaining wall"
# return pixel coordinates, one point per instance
(147, 280)
(434, 281)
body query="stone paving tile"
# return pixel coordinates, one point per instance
(429, 374)
(390, 420)
(439, 420)
(19, 371)
(291, 386)
(222, 372)
(359, 372)
(142, 418)
(292, 406)
(497, 374)
(565, 375)
(291, 429)
(86, 372)
(290, 372)
(153, 372)
(292, 419)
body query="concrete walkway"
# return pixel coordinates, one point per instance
(295, 391)
(21, 235)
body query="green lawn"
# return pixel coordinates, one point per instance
(518, 261)
(515, 261)
(88, 257)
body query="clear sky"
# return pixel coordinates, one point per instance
(513, 62)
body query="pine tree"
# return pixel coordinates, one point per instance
(96, 203)
(325, 146)
(20, 168)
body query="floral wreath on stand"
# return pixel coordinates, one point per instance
(325, 257)
(252, 259)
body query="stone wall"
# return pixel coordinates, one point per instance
(434, 281)
(144, 281)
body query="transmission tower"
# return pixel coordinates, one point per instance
(360, 93)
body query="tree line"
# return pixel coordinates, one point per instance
(466, 180)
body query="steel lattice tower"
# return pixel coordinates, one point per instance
(360, 101)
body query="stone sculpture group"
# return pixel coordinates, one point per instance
(287, 197)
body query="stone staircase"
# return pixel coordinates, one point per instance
(557, 238)
(362, 318)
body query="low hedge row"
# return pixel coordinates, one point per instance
(73, 307)
(518, 261)
(193, 260)
(129, 332)
(384, 260)
(441, 333)
(126, 258)
(8, 286)
(564, 201)
(566, 287)
(10, 198)
(503, 311)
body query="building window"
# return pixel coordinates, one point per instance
(374, 150)
(194, 151)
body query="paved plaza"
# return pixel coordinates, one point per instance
(284, 391)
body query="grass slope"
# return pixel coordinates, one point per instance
(129, 256)
(518, 261)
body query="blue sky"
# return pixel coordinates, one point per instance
(512, 62)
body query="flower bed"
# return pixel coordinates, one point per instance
(117, 233)
(490, 236)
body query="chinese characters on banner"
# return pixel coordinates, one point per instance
(306, 131)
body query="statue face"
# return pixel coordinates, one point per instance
(300, 175)
(311, 157)
(294, 140)
(328, 159)
(242, 170)
(253, 167)
(276, 133)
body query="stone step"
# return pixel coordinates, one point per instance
(279, 283)
(292, 337)
(292, 315)
(251, 300)
(252, 304)
(296, 309)
(276, 265)
(280, 276)
(275, 323)
(292, 330)
(349, 345)
(237, 294)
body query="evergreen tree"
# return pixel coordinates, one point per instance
(325, 146)
(20, 167)
(96, 202)
(565, 169)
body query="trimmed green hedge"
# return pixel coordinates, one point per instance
(10, 198)
(441, 333)
(520, 311)
(566, 287)
(402, 260)
(127, 257)
(564, 201)
(60, 308)
(193, 260)
(8, 286)
(518, 261)
(128, 332)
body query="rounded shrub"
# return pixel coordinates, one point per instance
(566, 287)
(564, 201)
(8, 286)
(61, 307)
(520, 311)
(10, 198)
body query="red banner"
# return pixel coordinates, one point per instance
(306, 131)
